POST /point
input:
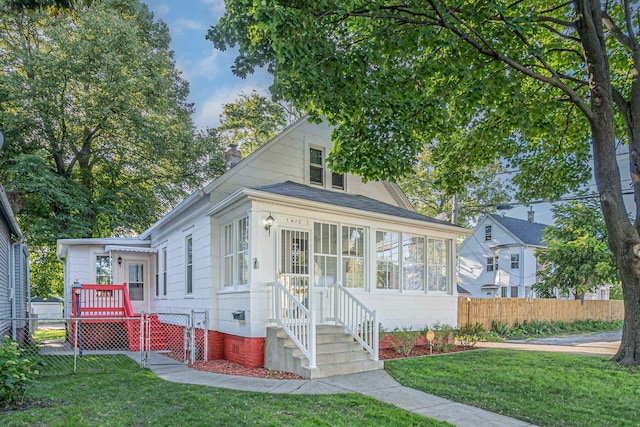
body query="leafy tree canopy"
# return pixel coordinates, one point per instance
(253, 120)
(99, 139)
(577, 259)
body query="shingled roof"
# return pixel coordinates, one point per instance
(529, 233)
(337, 198)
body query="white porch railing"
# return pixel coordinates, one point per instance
(296, 320)
(356, 318)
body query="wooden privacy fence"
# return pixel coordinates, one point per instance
(510, 310)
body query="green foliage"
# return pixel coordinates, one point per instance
(541, 328)
(252, 120)
(577, 259)
(499, 327)
(366, 328)
(17, 372)
(403, 340)
(442, 334)
(99, 138)
(468, 335)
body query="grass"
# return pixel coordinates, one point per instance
(119, 393)
(547, 389)
(48, 334)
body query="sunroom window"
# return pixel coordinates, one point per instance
(325, 247)
(353, 258)
(388, 259)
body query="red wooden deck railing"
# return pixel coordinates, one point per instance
(103, 301)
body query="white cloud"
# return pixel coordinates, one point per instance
(216, 7)
(184, 25)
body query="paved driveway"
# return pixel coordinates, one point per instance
(601, 343)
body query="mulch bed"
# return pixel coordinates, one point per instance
(229, 368)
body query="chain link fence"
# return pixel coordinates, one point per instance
(93, 343)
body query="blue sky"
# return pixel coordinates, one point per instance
(208, 71)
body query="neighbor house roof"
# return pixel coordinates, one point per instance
(337, 198)
(529, 233)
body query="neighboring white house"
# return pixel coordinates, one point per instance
(498, 259)
(281, 216)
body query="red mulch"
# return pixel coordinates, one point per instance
(230, 368)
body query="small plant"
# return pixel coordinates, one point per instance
(403, 340)
(17, 371)
(365, 328)
(468, 335)
(500, 327)
(442, 333)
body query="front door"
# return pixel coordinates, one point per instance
(136, 273)
(294, 263)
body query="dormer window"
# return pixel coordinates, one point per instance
(317, 171)
(487, 232)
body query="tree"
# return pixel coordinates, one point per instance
(253, 119)
(577, 259)
(481, 196)
(99, 139)
(541, 84)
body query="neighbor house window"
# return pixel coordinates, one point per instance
(515, 261)
(164, 272)
(437, 256)
(103, 270)
(487, 232)
(504, 292)
(243, 251)
(413, 257)
(325, 248)
(492, 263)
(316, 166)
(189, 265)
(353, 265)
(514, 292)
(388, 259)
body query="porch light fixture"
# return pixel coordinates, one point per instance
(119, 260)
(268, 223)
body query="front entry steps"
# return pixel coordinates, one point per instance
(337, 353)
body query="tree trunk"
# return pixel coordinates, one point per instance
(623, 238)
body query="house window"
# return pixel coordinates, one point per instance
(515, 261)
(388, 259)
(514, 292)
(136, 282)
(189, 265)
(504, 292)
(325, 248)
(316, 166)
(236, 253)
(437, 256)
(528, 292)
(413, 254)
(243, 251)
(228, 255)
(157, 277)
(492, 263)
(487, 232)
(164, 272)
(337, 181)
(353, 265)
(103, 270)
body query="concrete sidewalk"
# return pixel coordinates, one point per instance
(595, 344)
(376, 384)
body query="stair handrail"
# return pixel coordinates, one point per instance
(356, 318)
(296, 320)
(113, 302)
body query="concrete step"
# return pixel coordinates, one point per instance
(340, 369)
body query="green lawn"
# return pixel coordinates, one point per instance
(119, 393)
(547, 389)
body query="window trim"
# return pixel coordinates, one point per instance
(515, 262)
(488, 232)
(165, 271)
(95, 270)
(327, 176)
(232, 270)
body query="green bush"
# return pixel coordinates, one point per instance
(17, 371)
(499, 327)
(442, 332)
(403, 340)
(468, 335)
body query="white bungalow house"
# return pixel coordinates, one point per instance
(498, 259)
(280, 243)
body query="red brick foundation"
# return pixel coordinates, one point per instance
(248, 352)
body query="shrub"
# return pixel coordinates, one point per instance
(499, 327)
(468, 335)
(365, 327)
(403, 340)
(17, 371)
(442, 332)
